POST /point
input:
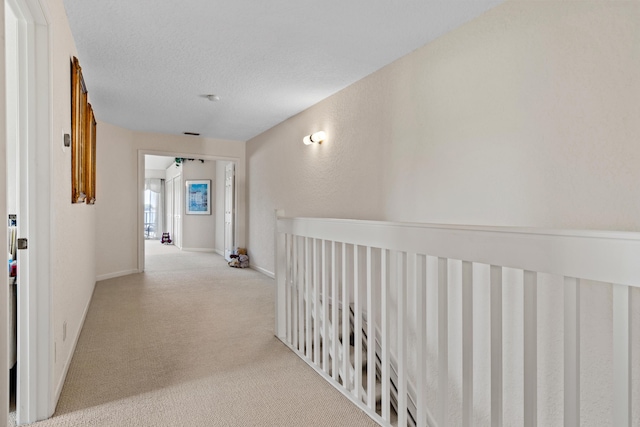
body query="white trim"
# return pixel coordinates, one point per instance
(207, 250)
(263, 271)
(73, 350)
(116, 274)
(219, 252)
(140, 217)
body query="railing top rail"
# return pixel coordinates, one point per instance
(603, 234)
(608, 256)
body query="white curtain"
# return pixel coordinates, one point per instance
(153, 208)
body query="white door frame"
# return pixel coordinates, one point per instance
(178, 209)
(35, 401)
(141, 169)
(168, 207)
(229, 211)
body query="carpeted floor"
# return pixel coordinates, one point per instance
(190, 343)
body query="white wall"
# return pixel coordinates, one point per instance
(198, 231)
(73, 226)
(118, 196)
(521, 117)
(525, 116)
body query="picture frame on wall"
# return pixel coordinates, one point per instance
(78, 131)
(198, 197)
(90, 156)
(83, 140)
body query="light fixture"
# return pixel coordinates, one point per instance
(213, 98)
(314, 137)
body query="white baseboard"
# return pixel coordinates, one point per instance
(67, 364)
(219, 252)
(263, 271)
(198, 250)
(116, 274)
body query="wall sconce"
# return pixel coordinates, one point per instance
(314, 137)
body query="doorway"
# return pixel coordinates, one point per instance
(213, 232)
(161, 213)
(28, 198)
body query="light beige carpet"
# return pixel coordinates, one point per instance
(190, 343)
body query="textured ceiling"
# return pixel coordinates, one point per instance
(149, 63)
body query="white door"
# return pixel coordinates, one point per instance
(229, 209)
(28, 148)
(177, 211)
(16, 145)
(168, 205)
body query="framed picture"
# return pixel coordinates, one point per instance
(83, 140)
(198, 197)
(78, 132)
(90, 156)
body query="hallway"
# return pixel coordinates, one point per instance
(190, 342)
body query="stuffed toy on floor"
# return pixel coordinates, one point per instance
(242, 261)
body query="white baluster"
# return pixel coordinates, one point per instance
(384, 338)
(571, 352)
(371, 338)
(308, 296)
(530, 349)
(334, 311)
(316, 304)
(287, 287)
(443, 340)
(345, 320)
(402, 338)
(496, 346)
(357, 326)
(301, 293)
(467, 343)
(621, 356)
(295, 293)
(281, 284)
(325, 311)
(421, 330)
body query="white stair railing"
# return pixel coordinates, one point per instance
(382, 270)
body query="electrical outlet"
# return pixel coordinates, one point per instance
(64, 330)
